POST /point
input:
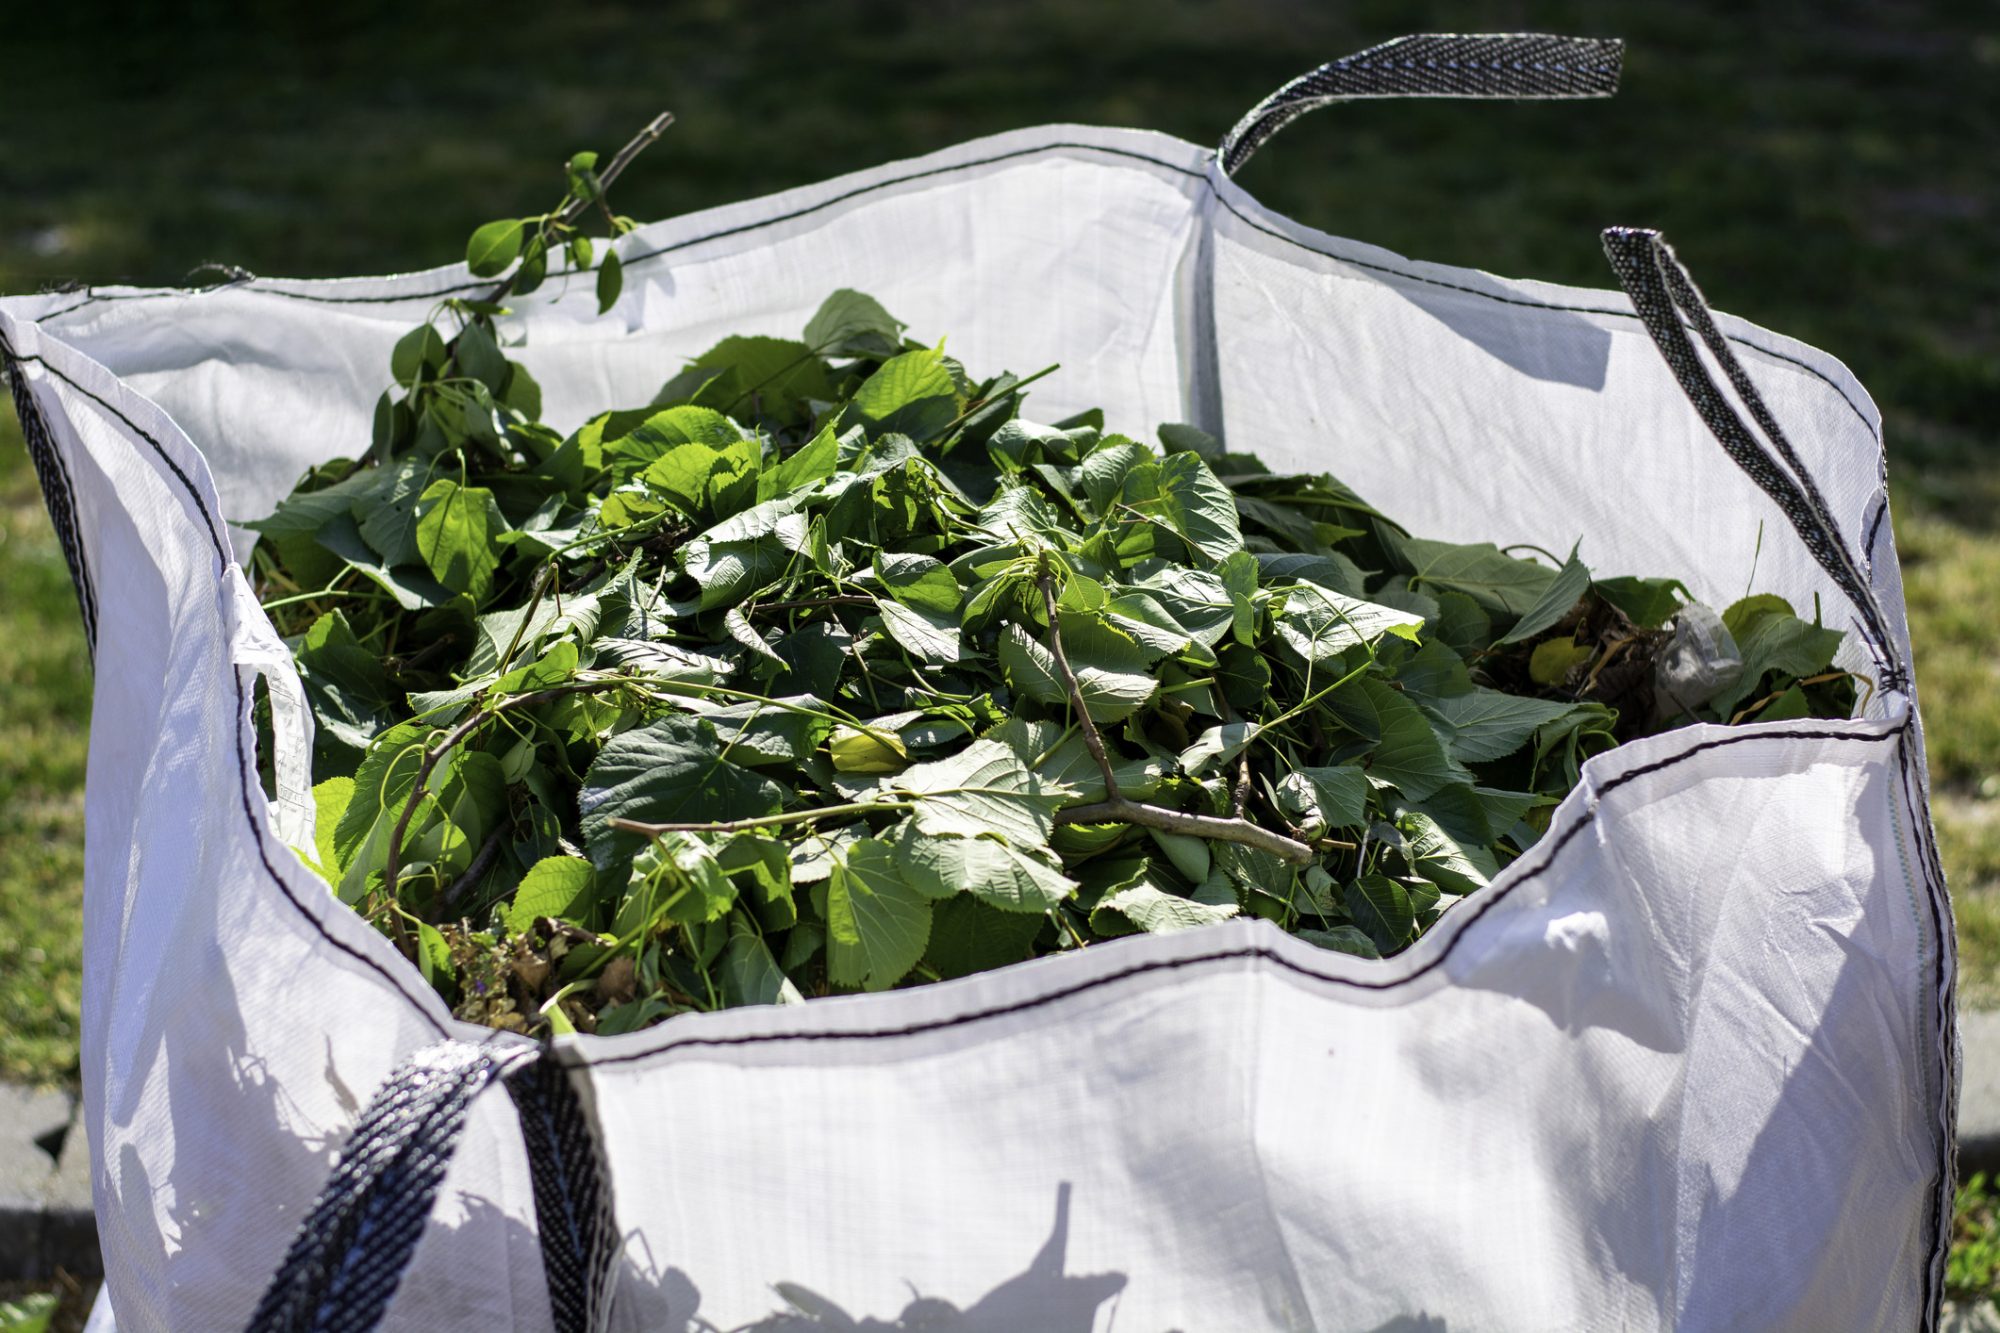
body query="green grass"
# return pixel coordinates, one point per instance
(1824, 169)
(44, 716)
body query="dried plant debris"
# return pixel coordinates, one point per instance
(828, 670)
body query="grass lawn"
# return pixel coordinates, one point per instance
(1824, 170)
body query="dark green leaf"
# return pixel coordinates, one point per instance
(494, 246)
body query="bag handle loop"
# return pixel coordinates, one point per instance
(1498, 65)
(355, 1242)
(1669, 304)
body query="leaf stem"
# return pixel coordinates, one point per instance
(1091, 740)
(392, 862)
(761, 821)
(1126, 811)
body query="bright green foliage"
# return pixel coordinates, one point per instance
(769, 688)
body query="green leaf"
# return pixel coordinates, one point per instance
(555, 886)
(987, 868)
(1109, 694)
(671, 772)
(330, 801)
(1217, 746)
(848, 323)
(815, 461)
(387, 519)
(1647, 603)
(1787, 707)
(968, 936)
(610, 281)
(866, 752)
(456, 531)
(1502, 585)
(1557, 600)
(749, 974)
(1059, 755)
(1177, 438)
(1320, 625)
(918, 582)
(1337, 796)
(1774, 640)
(420, 347)
(494, 246)
(1743, 614)
(984, 788)
(382, 783)
(912, 394)
(1342, 939)
(675, 878)
(924, 634)
(480, 357)
(29, 1314)
(772, 377)
(1197, 506)
(1381, 908)
(694, 457)
(877, 925)
(351, 695)
(1441, 859)
(1487, 724)
(1408, 752)
(434, 956)
(1553, 660)
(1146, 906)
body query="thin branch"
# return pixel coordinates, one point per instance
(1118, 809)
(1091, 740)
(392, 862)
(1125, 811)
(646, 830)
(487, 851)
(812, 603)
(575, 208)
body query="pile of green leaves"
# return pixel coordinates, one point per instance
(828, 670)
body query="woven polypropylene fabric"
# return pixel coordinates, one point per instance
(1685, 1065)
(1526, 65)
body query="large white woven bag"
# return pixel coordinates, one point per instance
(1689, 1063)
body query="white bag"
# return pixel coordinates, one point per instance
(1689, 1063)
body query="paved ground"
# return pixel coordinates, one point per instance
(45, 1216)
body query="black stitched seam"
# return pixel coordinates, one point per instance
(1003, 157)
(1806, 366)
(681, 245)
(1874, 530)
(1465, 919)
(214, 538)
(246, 771)
(1934, 891)
(246, 775)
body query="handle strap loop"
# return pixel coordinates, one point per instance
(355, 1242)
(1664, 295)
(1502, 65)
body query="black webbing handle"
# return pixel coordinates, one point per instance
(1501, 65)
(356, 1241)
(1664, 295)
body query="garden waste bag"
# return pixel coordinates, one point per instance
(1688, 1063)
